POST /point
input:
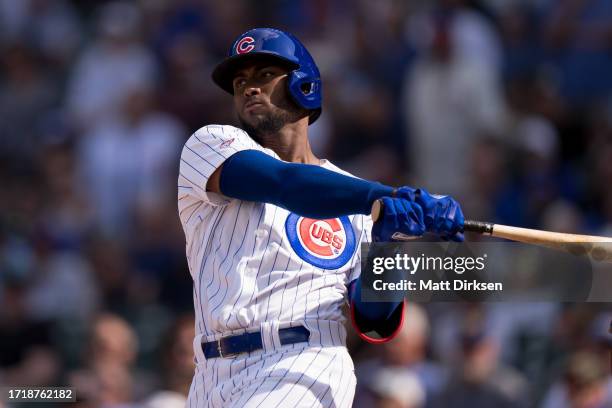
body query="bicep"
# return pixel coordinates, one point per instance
(246, 169)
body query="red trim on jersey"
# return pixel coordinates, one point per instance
(382, 340)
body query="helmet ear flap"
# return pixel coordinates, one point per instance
(304, 89)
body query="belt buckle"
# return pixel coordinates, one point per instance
(220, 350)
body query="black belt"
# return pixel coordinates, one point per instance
(247, 342)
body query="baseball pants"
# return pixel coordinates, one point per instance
(319, 373)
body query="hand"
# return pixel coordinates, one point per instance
(399, 215)
(442, 214)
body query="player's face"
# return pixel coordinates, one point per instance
(261, 98)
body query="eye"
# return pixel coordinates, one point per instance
(239, 82)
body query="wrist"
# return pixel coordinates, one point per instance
(377, 190)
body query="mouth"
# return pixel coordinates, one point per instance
(253, 105)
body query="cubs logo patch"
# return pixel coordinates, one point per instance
(245, 45)
(327, 244)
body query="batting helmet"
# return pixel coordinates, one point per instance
(304, 80)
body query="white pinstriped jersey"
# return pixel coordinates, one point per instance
(254, 262)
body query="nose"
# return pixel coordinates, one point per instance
(251, 90)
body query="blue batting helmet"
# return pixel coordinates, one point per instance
(304, 80)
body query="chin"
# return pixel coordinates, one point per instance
(255, 120)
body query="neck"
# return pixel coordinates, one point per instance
(291, 143)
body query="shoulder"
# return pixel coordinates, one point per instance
(222, 140)
(330, 166)
(218, 138)
(219, 131)
(225, 134)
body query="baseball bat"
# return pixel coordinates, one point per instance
(598, 248)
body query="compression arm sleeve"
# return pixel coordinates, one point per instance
(307, 190)
(372, 311)
(384, 318)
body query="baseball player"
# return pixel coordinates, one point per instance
(272, 238)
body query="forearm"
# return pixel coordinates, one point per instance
(370, 311)
(307, 190)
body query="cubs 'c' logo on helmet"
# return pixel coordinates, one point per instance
(245, 45)
(327, 244)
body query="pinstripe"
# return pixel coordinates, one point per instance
(201, 157)
(204, 383)
(194, 169)
(346, 390)
(297, 286)
(264, 253)
(216, 372)
(200, 274)
(192, 182)
(283, 293)
(211, 149)
(331, 336)
(306, 299)
(285, 288)
(298, 380)
(215, 269)
(189, 206)
(339, 381)
(264, 378)
(263, 207)
(284, 376)
(219, 243)
(315, 380)
(258, 365)
(318, 306)
(321, 398)
(275, 258)
(231, 264)
(203, 263)
(194, 211)
(225, 383)
(274, 286)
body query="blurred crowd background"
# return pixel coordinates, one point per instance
(505, 104)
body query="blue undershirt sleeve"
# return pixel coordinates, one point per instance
(304, 189)
(371, 311)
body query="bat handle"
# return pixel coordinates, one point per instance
(480, 227)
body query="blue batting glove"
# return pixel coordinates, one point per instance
(399, 215)
(442, 214)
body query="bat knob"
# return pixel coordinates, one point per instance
(377, 208)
